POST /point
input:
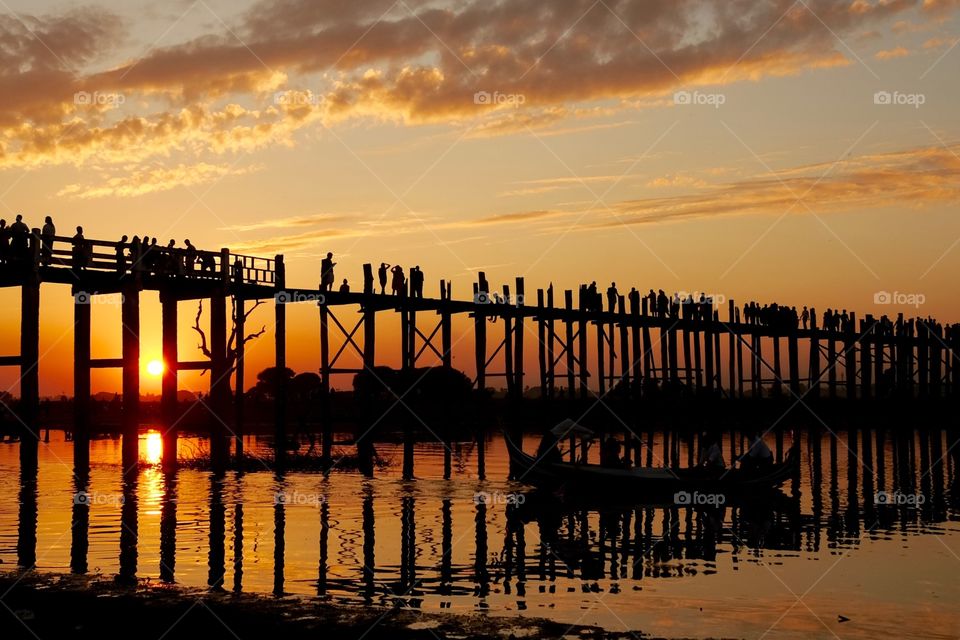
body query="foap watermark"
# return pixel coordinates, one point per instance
(714, 100)
(715, 298)
(299, 498)
(86, 297)
(98, 99)
(897, 98)
(899, 499)
(294, 98)
(697, 499)
(899, 298)
(288, 297)
(499, 99)
(90, 498)
(498, 497)
(484, 297)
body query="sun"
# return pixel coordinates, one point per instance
(155, 367)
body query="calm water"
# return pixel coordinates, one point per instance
(785, 570)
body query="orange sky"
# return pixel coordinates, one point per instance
(800, 152)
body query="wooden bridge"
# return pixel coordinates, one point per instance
(636, 351)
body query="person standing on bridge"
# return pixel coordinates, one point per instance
(19, 234)
(326, 272)
(46, 240)
(416, 282)
(382, 276)
(398, 281)
(612, 296)
(79, 253)
(805, 316)
(189, 258)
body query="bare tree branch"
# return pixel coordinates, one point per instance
(203, 336)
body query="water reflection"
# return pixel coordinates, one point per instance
(429, 544)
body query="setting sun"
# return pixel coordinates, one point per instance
(155, 367)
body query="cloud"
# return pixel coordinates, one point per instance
(411, 62)
(292, 222)
(889, 54)
(138, 182)
(912, 177)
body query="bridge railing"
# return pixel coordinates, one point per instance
(126, 258)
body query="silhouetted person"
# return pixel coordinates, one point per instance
(344, 287)
(122, 255)
(805, 316)
(758, 455)
(610, 453)
(612, 297)
(711, 456)
(416, 282)
(237, 270)
(19, 238)
(382, 275)
(190, 258)
(135, 252)
(4, 242)
(326, 272)
(397, 281)
(592, 295)
(46, 240)
(207, 263)
(79, 252)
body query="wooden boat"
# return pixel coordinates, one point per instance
(649, 482)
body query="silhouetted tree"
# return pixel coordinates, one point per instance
(232, 341)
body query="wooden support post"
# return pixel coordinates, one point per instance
(508, 345)
(168, 392)
(878, 348)
(446, 339)
(698, 357)
(866, 357)
(625, 364)
(601, 347)
(737, 338)
(756, 368)
(716, 358)
(480, 335)
(582, 343)
(850, 357)
(518, 341)
(568, 305)
(731, 348)
(831, 364)
(130, 320)
(813, 372)
(777, 372)
(280, 362)
(542, 344)
(923, 362)
(936, 361)
(687, 359)
(793, 361)
(672, 348)
(711, 353)
(649, 369)
(81, 382)
(219, 381)
(29, 408)
(551, 356)
(239, 373)
(637, 363)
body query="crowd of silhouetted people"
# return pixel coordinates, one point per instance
(128, 254)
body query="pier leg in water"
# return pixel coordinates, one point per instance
(130, 315)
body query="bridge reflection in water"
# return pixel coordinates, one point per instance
(431, 544)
